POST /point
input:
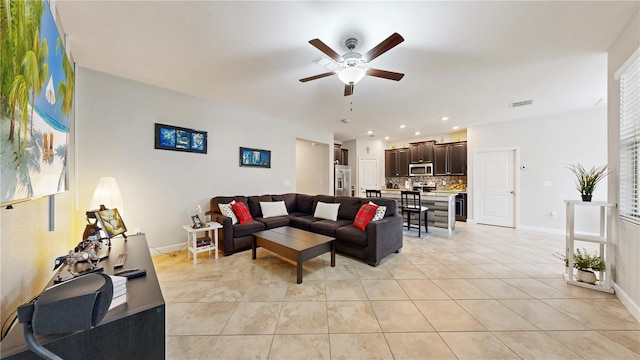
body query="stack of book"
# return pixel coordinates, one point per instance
(119, 291)
(205, 241)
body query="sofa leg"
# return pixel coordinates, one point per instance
(398, 251)
(374, 264)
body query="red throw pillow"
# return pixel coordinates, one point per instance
(364, 216)
(242, 213)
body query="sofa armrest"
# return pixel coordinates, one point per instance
(226, 239)
(384, 237)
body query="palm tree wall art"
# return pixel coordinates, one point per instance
(36, 102)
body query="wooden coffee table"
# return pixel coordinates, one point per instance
(294, 244)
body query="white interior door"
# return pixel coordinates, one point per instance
(367, 175)
(496, 197)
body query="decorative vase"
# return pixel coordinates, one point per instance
(586, 198)
(588, 277)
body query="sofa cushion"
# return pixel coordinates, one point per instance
(242, 212)
(352, 235)
(215, 202)
(274, 222)
(302, 222)
(249, 228)
(326, 211)
(305, 203)
(273, 208)
(289, 201)
(391, 204)
(349, 207)
(227, 210)
(380, 211)
(328, 227)
(364, 216)
(327, 199)
(254, 204)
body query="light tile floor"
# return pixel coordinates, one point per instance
(482, 292)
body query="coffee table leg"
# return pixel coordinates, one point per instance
(299, 266)
(253, 249)
(333, 254)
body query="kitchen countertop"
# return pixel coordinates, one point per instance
(437, 193)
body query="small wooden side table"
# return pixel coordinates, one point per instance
(192, 240)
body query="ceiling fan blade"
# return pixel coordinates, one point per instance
(385, 74)
(348, 89)
(319, 76)
(388, 44)
(326, 49)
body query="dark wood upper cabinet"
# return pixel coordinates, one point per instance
(421, 152)
(340, 155)
(396, 162)
(450, 159)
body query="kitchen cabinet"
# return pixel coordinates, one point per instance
(450, 158)
(340, 155)
(396, 162)
(421, 152)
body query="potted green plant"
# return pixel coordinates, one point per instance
(586, 180)
(587, 264)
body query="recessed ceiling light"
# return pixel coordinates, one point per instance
(386, 138)
(417, 132)
(369, 132)
(456, 127)
(445, 118)
(403, 126)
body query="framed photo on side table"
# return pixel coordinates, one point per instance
(197, 223)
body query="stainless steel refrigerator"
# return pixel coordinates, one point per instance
(342, 181)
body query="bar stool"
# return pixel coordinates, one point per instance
(410, 204)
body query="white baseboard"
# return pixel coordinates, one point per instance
(167, 249)
(540, 229)
(633, 308)
(471, 221)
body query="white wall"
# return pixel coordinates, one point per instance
(625, 236)
(311, 168)
(546, 145)
(116, 120)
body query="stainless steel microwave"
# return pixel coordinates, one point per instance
(425, 169)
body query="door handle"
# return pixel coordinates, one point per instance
(511, 192)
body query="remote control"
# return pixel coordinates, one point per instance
(131, 273)
(121, 259)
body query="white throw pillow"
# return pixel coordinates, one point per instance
(379, 212)
(326, 211)
(226, 210)
(273, 208)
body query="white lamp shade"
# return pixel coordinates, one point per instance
(351, 75)
(107, 193)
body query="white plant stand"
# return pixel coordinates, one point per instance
(192, 235)
(604, 283)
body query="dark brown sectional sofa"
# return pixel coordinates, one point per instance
(381, 238)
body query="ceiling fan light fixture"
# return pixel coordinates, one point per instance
(351, 75)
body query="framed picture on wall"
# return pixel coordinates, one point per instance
(168, 137)
(255, 157)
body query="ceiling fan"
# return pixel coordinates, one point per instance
(353, 65)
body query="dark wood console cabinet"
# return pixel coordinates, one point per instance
(135, 330)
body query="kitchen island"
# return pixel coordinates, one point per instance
(441, 204)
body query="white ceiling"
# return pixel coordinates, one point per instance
(464, 60)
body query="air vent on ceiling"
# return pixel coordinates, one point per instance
(522, 103)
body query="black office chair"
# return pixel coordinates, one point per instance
(410, 204)
(373, 193)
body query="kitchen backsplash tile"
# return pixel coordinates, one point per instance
(442, 182)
